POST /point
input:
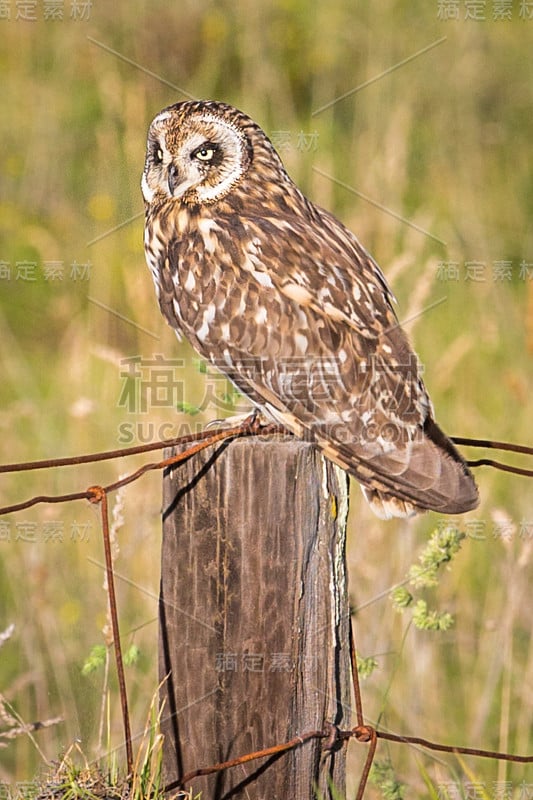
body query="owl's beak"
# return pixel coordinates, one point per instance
(173, 178)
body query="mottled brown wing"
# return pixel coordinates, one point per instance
(299, 316)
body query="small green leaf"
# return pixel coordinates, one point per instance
(382, 775)
(200, 365)
(440, 549)
(401, 598)
(95, 660)
(366, 666)
(131, 656)
(188, 408)
(430, 620)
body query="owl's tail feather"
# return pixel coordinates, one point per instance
(386, 506)
(428, 475)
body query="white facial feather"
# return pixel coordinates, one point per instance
(209, 181)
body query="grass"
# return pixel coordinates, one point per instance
(443, 141)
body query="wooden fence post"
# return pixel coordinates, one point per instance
(254, 617)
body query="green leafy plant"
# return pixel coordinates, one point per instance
(95, 659)
(366, 666)
(382, 776)
(442, 546)
(188, 408)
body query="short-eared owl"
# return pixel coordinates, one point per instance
(282, 298)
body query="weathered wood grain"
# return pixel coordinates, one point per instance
(254, 617)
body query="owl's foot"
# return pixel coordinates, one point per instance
(256, 422)
(236, 421)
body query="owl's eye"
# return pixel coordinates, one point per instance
(158, 155)
(204, 153)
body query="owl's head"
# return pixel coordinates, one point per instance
(198, 151)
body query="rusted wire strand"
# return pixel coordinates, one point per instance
(493, 445)
(361, 733)
(360, 717)
(99, 496)
(44, 498)
(508, 446)
(235, 762)
(373, 739)
(108, 455)
(245, 429)
(489, 462)
(464, 751)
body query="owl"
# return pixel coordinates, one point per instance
(280, 296)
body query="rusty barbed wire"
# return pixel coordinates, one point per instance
(489, 462)
(489, 444)
(99, 496)
(251, 426)
(205, 439)
(492, 445)
(242, 430)
(361, 733)
(106, 455)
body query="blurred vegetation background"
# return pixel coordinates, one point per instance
(444, 142)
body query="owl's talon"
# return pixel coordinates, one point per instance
(254, 421)
(235, 421)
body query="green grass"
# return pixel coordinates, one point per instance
(444, 141)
